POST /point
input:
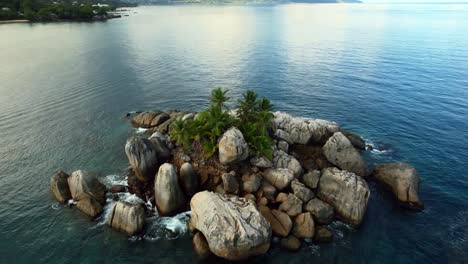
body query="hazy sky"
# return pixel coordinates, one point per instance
(414, 1)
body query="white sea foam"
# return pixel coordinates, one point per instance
(130, 198)
(141, 130)
(114, 179)
(376, 149)
(167, 227)
(105, 214)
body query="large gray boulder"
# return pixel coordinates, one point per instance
(188, 179)
(304, 130)
(59, 187)
(403, 179)
(127, 217)
(346, 192)
(232, 226)
(142, 157)
(339, 151)
(167, 192)
(88, 192)
(280, 178)
(283, 160)
(232, 147)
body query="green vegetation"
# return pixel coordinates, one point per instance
(48, 10)
(253, 119)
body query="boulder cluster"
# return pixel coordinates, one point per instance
(239, 201)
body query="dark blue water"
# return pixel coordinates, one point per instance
(396, 74)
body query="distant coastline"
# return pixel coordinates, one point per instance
(236, 2)
(30, 11)
(52, 11)
(14, 21)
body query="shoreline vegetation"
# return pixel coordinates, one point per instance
(59, 11)
(248, 176)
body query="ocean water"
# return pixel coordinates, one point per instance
(395, 74)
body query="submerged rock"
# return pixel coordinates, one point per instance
(357, 141)
(346, 192)
(167, 193)
(339, 151)
(232, 147)
(304, 130)
(403, 179)
(280, 178)
(291, 243)
(127, 217)
(142, 157)
(59, 187)
(232, 226)
(323, 235)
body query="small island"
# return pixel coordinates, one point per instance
(247, 175)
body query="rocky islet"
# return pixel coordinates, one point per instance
(238, 201)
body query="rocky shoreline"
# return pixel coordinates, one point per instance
(240, 201)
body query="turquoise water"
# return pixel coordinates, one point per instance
(396, 74)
